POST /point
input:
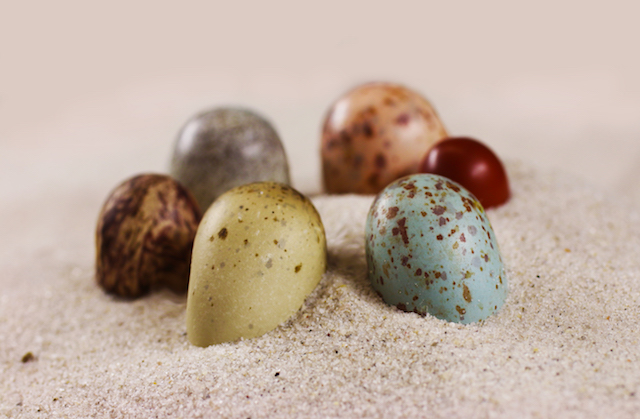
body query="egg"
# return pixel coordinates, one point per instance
(224, 148)
(144, 236)
(430, 248)
(259, 251)
(473, 165)
(375, 134)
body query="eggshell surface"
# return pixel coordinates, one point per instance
(259, 251)
(375, 134)
(144, 236)
(430, 248)
(224, 148)
(473, 165)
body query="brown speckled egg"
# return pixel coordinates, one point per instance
(375, 134)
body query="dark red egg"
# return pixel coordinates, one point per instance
(471, 164)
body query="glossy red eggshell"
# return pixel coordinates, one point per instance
(473, 165)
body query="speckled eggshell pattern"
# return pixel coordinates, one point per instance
(259, 251)
(374, 135)
(224, 148)
(430, 249)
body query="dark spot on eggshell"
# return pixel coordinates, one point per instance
(223, 233)
(403, 119)
(345, 138)
(298, 267)
(439, 237)
(418, 272)
(402, 230)
(461, 310)
(438, 210)
(402, 306)
(453, 187)
(380, 161)
(410, 186)
(466, 294)
(463, 238)
(367, 130)
(391, 212)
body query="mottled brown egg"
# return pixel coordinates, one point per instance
(144, 236)
(375, 134)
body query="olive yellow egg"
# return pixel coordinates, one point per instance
(259, 251)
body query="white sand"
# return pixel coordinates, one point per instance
(565, 344)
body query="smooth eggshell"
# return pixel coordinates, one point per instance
(224, 148)
(430, 249)
(259, 251)
(473, 165)
(375, 134)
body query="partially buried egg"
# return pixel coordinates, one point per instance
(259, 251)
(375, 134)
(430, 249)
(473, 165)
(144, 236)
(224, 148)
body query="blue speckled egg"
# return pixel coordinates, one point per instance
(431, 249)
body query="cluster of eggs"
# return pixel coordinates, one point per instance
(429, 245)
(249, 262)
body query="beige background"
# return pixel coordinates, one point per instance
(93, 92)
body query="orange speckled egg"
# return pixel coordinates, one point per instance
(375, 134)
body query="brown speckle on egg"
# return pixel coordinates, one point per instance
(466, 294)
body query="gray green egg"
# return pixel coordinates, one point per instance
(227, 147)
(260, 249)
(430, 248)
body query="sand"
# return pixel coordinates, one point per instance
(564, 345)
